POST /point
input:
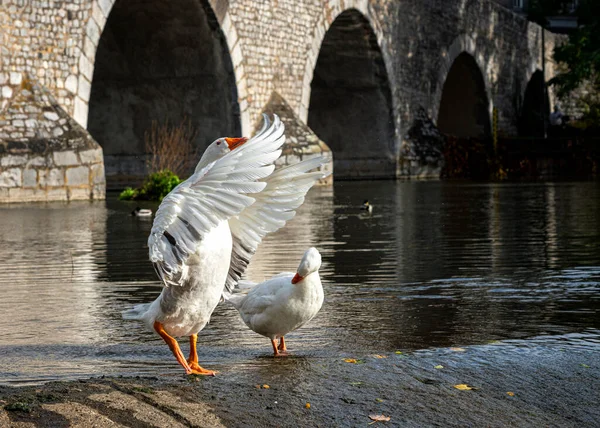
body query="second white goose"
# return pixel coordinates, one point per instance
(283, 303)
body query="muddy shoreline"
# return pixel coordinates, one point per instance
(548, 385)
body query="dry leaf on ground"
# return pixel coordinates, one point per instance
(351, 360)
(458, 349)
(307, 405)
(463, 387)
(379, 356)
(379, 418)
(439, 366)
(512, 394)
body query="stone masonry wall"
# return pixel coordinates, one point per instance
(44, 154)
(274, 47)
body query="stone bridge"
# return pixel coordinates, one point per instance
(371, 78)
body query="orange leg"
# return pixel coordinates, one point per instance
(173, 346)
(193, 360)
(176, 350)
(276, 352)
(282, 346)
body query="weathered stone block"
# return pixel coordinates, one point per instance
(52, 178)
(97, 173)
(13, 160)
(65, 158)
(78, 176)
(15, 78)
(99, 192)
(29, 178)
(78, 194)
(11, 178)
(37, 161)
(19, 194)
(91, 156)
(57, 194)
(71, 84)
(50, 115)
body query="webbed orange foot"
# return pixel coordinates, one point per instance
(197, 370)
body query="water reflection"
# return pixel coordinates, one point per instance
(435, 264)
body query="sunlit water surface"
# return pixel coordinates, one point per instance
(434, 265)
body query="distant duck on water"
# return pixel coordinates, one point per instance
(366, 206)
(141, 212)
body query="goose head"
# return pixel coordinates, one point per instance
(219, 148)
(310, 263)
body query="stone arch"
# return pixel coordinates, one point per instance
(123, 45)
(464, 104)
(535, 109)
(347, 96)
(463, 44)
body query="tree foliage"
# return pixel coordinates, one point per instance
(581, 53)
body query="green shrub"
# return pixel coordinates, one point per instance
(128, 194)
(155, 187)
(158, 185)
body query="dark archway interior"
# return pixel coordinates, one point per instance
(157, 60)
(536, 107)
(351, 103)
(464, 105)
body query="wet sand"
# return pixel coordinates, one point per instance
(550, 384)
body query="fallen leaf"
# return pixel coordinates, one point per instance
(379, 400)
(265, 386)
(494, 342)
(307, 405)
(439, 366)
(353, 361)
(379, 356)
(257, 386)
(512, 394)
(458, 349)
(398, 352)
(379, 418)
(463, 387)
(585, 366)
(355, 383)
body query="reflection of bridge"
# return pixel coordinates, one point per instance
(357, 71)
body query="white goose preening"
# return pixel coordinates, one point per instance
(283, 303)
(206, 230)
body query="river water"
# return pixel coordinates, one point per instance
(435, 265)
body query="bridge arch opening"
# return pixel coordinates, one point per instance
(156, 62)
(464, 107)
(536, 107)
(350, 103)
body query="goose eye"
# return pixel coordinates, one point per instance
(218, 143)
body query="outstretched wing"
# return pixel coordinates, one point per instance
(213, 194)
(275, 205)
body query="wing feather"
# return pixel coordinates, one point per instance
(275, 205)
(222, 189)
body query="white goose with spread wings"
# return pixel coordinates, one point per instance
(206, 230)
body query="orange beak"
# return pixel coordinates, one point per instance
(297, 278)
(234, 143)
